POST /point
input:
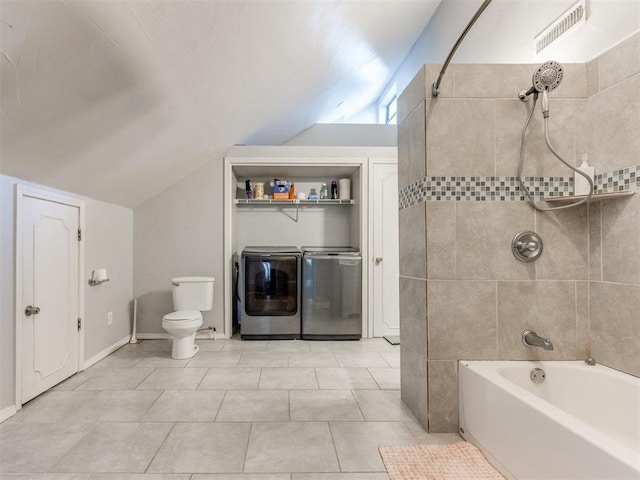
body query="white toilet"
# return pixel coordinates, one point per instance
(191, 295)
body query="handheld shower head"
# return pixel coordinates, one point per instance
(548, 76)
(545, 79)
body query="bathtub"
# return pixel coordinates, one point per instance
(581, 422)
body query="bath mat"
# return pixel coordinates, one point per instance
(457, 461)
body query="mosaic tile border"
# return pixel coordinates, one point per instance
(507, 189)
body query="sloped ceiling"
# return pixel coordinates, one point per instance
(117, 100)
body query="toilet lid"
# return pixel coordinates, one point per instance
(182, 315)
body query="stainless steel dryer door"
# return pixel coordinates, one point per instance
(270, 296)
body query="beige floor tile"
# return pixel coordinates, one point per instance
(49, 441)
(288, 346)
(162, 360)
(254, 406)
(115, 447)
(185, 406)
(288, 379)
(386, 378)
(173, 379)
(313, 359)
(54, 406)
(264, 359)
(117, 406)
(210, 345)
(291, 447)
(114, 378)
(392, 358)
(324, 405)
(203, 448)
(215, 360)
(234, 345)
(361, 360)
(230, 379)
(357, 443)
(382, 406)
(345, 378)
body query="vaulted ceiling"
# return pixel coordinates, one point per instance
(116, 100)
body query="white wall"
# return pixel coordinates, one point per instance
(505, 32)
(108, 244)
(179, 233)
(347, 135)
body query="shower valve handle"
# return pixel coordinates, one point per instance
(527, 246)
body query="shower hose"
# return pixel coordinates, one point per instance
(556, 154)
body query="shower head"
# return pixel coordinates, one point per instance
(548, 76)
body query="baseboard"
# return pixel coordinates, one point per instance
(163, 336)
(106, 352)
(7, 412)
(152, 336)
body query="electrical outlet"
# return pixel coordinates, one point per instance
(109, 318)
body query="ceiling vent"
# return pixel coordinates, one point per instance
(562, 25)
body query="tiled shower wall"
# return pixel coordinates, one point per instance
(463, 294)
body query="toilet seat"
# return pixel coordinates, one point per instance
(183, 316)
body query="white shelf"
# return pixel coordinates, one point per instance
(596, 197)
(255, 201)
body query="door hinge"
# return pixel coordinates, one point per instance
(79, 235)
(79, 324)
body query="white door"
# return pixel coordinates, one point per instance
(385, 250)
(50, 308)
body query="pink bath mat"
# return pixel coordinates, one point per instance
(457, 461)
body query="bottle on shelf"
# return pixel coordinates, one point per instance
(324, 192)
(334, 190)
(313, 195)
(292, 191)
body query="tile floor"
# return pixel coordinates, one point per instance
(260, 410)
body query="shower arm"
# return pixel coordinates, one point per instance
(435, 88)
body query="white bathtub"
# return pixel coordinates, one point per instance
(582, 422)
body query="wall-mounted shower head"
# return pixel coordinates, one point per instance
(548, 76)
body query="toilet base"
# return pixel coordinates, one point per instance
(184, 347)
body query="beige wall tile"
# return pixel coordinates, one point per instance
(620, 240)
(548, 308)
(487, 81)
(411, 147)
(484, 232)
(614, 123)
(443, 396)
(620, 62)
(566, 251)
(441, 240)
(413, 383)
(593, 77)
(581, 136)
(432, 71)
(615, 323)
(411, 96)
(511, 116)
(413, 314)
(462, 319)
(460, 137)
(582, 320)
(413, 262)
(595, 241)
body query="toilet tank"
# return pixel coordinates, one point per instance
(192, 293)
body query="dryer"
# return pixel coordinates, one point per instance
(270, 293)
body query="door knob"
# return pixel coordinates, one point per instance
(31, 310)
(378, 260)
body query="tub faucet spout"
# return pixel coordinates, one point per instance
(532, 339)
